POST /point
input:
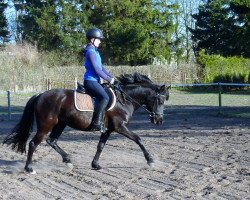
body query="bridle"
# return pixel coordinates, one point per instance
(154, 112)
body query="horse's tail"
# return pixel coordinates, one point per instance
(21, 132)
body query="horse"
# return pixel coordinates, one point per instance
(54, 110)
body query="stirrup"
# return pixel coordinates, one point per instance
(97, 127)
(103, 129)
(51, 141)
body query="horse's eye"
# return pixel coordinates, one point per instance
(161, 101)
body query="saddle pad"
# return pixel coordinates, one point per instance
(84, 102)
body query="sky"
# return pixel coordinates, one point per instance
(10, 14)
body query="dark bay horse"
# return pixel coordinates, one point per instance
(54, 110)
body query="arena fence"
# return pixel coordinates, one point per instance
(223, 88)
(221, 96)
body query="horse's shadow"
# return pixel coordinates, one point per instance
(11, 166)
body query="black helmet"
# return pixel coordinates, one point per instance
(94, 33)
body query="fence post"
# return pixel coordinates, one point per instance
(220, 90)
(9, 106)
(48, 84)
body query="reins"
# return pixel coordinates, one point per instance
(136, 102)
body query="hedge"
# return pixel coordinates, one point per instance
(216, 68)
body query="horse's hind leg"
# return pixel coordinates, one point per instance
(52, 141)
(103, 139)
(37, 139)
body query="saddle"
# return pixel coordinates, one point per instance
(85, 102)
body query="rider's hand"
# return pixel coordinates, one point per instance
(101, 81)
(112, 81)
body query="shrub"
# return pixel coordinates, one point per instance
(23, 67)
(25, 54)
(220, 69)
(60, 58)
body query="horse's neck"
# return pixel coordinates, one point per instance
(137, 97)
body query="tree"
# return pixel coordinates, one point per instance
(242, 10)
(184, 21)
(61, 25)
(17, 27)
(221, 30)
(52, 24)
(4, 33)
(164, 40)
(137, 31)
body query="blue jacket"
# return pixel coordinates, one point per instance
(93, 64)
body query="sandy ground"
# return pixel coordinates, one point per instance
(198, 155)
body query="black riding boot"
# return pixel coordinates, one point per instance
(97, 123)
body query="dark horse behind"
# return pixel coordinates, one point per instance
(54, 110)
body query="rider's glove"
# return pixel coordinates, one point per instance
(101, 81)
(112, 81)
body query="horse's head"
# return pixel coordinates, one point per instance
(155, 103)
(142, 91)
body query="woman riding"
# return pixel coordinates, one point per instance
(95, 71)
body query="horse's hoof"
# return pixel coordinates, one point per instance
(96, 166)
(151, 164)
(33, 172)
(70, 165)
(29, 170)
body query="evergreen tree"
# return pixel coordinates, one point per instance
(164, 40)
(242, 10)
(137, 31)
(220, 30)
(4, 33)
(53, 24)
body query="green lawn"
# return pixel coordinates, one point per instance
(233, 104)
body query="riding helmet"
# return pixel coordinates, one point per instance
(94, 33)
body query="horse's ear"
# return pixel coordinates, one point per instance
(165, 89)
(168, 87)
(162, 89)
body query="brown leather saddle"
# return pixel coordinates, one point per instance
(84, 102)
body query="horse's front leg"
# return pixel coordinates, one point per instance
(103, 139)
(53, 143)
(133, 136)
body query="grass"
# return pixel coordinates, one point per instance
(194, 99)
(235, 113)
(242, 115)
(234, 104)
(237, 99)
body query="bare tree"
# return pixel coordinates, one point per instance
(184, 21)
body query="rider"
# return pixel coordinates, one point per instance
(95, 71)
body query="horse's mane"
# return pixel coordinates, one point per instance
(126, 79)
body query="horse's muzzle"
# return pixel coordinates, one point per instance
(156, 118)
